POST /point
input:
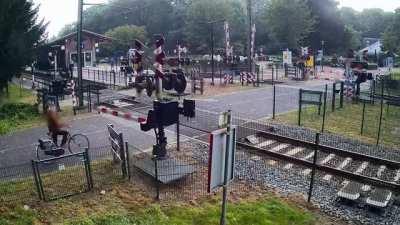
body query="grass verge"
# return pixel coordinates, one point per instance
(348, 120)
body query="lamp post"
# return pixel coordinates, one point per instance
(54, 54)
(79, 40)
(322, 58)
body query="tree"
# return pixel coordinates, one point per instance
(290, 22)
(328, 27)
(391, 37)
(351, 18)
(123, 38)
(20, 33)
(352, 38)
(197, 28)
(374, 22)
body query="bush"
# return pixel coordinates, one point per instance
(12, 115)
(18, 110)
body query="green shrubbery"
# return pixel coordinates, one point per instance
(13, 115)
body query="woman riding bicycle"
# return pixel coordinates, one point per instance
(56, 126)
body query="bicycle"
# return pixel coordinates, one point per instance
(46, 148)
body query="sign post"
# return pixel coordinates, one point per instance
(222, 160)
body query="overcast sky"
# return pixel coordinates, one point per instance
(61, 12)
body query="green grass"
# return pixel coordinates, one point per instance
(264, 211)
(18, 110)
(267, 211)
(17, 95)
(347, 122)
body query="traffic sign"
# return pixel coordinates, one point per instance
(222, 152)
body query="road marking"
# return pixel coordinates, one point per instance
(344, 163)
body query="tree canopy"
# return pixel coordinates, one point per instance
(280, 24)
(20, 33)
(391, 37)
(123, 38)
(297, 25)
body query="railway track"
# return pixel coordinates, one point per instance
(373, 180)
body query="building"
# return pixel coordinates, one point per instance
(66, 51)
(373, 47)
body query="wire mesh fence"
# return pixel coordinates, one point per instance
(368, 117)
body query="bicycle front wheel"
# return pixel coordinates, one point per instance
(78, 143)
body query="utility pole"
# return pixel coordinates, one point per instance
(79, 52)
(323, 53)
(250, 20)
(212, 54)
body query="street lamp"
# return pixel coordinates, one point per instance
(322, 57)
(55, 55)
(79, 41)
(211, 23)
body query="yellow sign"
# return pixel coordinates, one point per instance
(310, 61)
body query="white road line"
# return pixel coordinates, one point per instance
(344, 163)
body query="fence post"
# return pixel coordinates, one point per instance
(88, 167)
(156, 177)
(37, 184)
(300, 100)
(324, 113)
(274, 102)
(201, 86)
(89, 99)
(113, 74)
(333, 97)
(178, 145)
(341, 94)
(128, 160)
(314, 167)
(381, 112)
(273, 77)
(363, 118)
(122, 155)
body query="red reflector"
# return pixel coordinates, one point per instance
(141, 120)
(115, 113)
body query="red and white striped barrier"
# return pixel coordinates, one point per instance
(248, 78)
(159, 58)
(228, 79)
(124, 115)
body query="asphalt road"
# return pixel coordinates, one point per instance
(18, 148)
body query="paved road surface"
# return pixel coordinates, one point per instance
(18, 148)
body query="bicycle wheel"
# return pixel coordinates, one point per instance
(78, 142)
